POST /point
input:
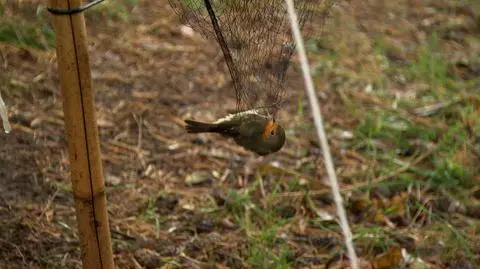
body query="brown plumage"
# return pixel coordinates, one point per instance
(250, 130)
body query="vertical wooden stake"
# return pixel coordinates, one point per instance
(83, 142)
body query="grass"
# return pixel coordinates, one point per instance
(262, 224)
(374, 239)
(431, 67)
(112, 11)
(150, 213)
(28, 35)
(395, 134)
(391, 138)
(458, 244)
(37, 32)
(265, 250)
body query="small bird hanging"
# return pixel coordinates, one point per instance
(256, 42)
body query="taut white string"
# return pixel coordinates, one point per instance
(317, 117)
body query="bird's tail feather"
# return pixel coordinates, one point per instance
(200, 127)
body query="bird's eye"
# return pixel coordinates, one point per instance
(272, 132)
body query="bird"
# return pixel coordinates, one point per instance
(250, 129)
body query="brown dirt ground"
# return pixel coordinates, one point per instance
(148, 77)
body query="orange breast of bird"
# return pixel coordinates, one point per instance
(270, 129)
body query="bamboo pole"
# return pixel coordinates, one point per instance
(83, 143)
